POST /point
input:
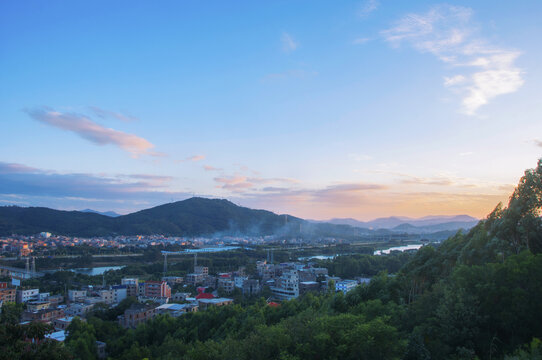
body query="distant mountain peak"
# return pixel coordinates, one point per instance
(106, 213)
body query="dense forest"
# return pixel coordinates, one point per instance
(476, 296)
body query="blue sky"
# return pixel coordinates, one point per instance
(319, 109)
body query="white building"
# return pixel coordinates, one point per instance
(74, 295)
(120, 293)
(345, 285)
(107, 296)
(287, 286)
(27, 295)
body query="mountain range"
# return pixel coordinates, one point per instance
(427, 224)
(201, 216)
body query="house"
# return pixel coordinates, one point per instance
(62, 323)
(37, 305)
(76, 295)
(136, 314)
(226, 284)
(78, 309)
(176, 310)
(43, 315)
(205, 303)
(308, 286)
(204, 270)
(345, 285)
(59, 336)
(106, 296)
(251, 287)
(180, 296)
(55, 299)
(100, 349)
(195, 279)
(173, 280)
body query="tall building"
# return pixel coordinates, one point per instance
(157, 289)
(286, 286)
(132, 286)
(8, 295)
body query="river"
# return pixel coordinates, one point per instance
(398, 248)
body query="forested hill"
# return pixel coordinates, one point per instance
(195, 216)
(477, 296)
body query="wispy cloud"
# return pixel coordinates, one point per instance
(91, 131)
(360, 41)
(102, 113)
(193, 158)
(211, 168)
(63, 188)
(288, 42)
(196, 158)
(241, 183)
(360, 157)
(367, 7)
(448, 32)
(234, 183)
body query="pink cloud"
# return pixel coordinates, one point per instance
(211, 168)
(234, 183)
(193, 158)
(91, 131)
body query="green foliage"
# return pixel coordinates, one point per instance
(356, 265)
(27, 342)
(11, 313)
(532, 351)
(81, 340)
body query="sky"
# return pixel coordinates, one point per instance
(319, 109)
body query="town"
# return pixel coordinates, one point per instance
(142, 299)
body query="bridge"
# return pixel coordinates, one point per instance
(19, 273)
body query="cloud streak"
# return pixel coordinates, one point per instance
(89, 130)
(22, 182)
(447, 32)
(368, 7)
(193, 158)
(288, 43)
(211, 168)
(102, 113)
(241, 183)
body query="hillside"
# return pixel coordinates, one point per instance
(195, 216)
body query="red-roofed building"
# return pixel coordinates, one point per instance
(273, 304)
(204, 296)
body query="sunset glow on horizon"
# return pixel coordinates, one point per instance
(356, 109)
